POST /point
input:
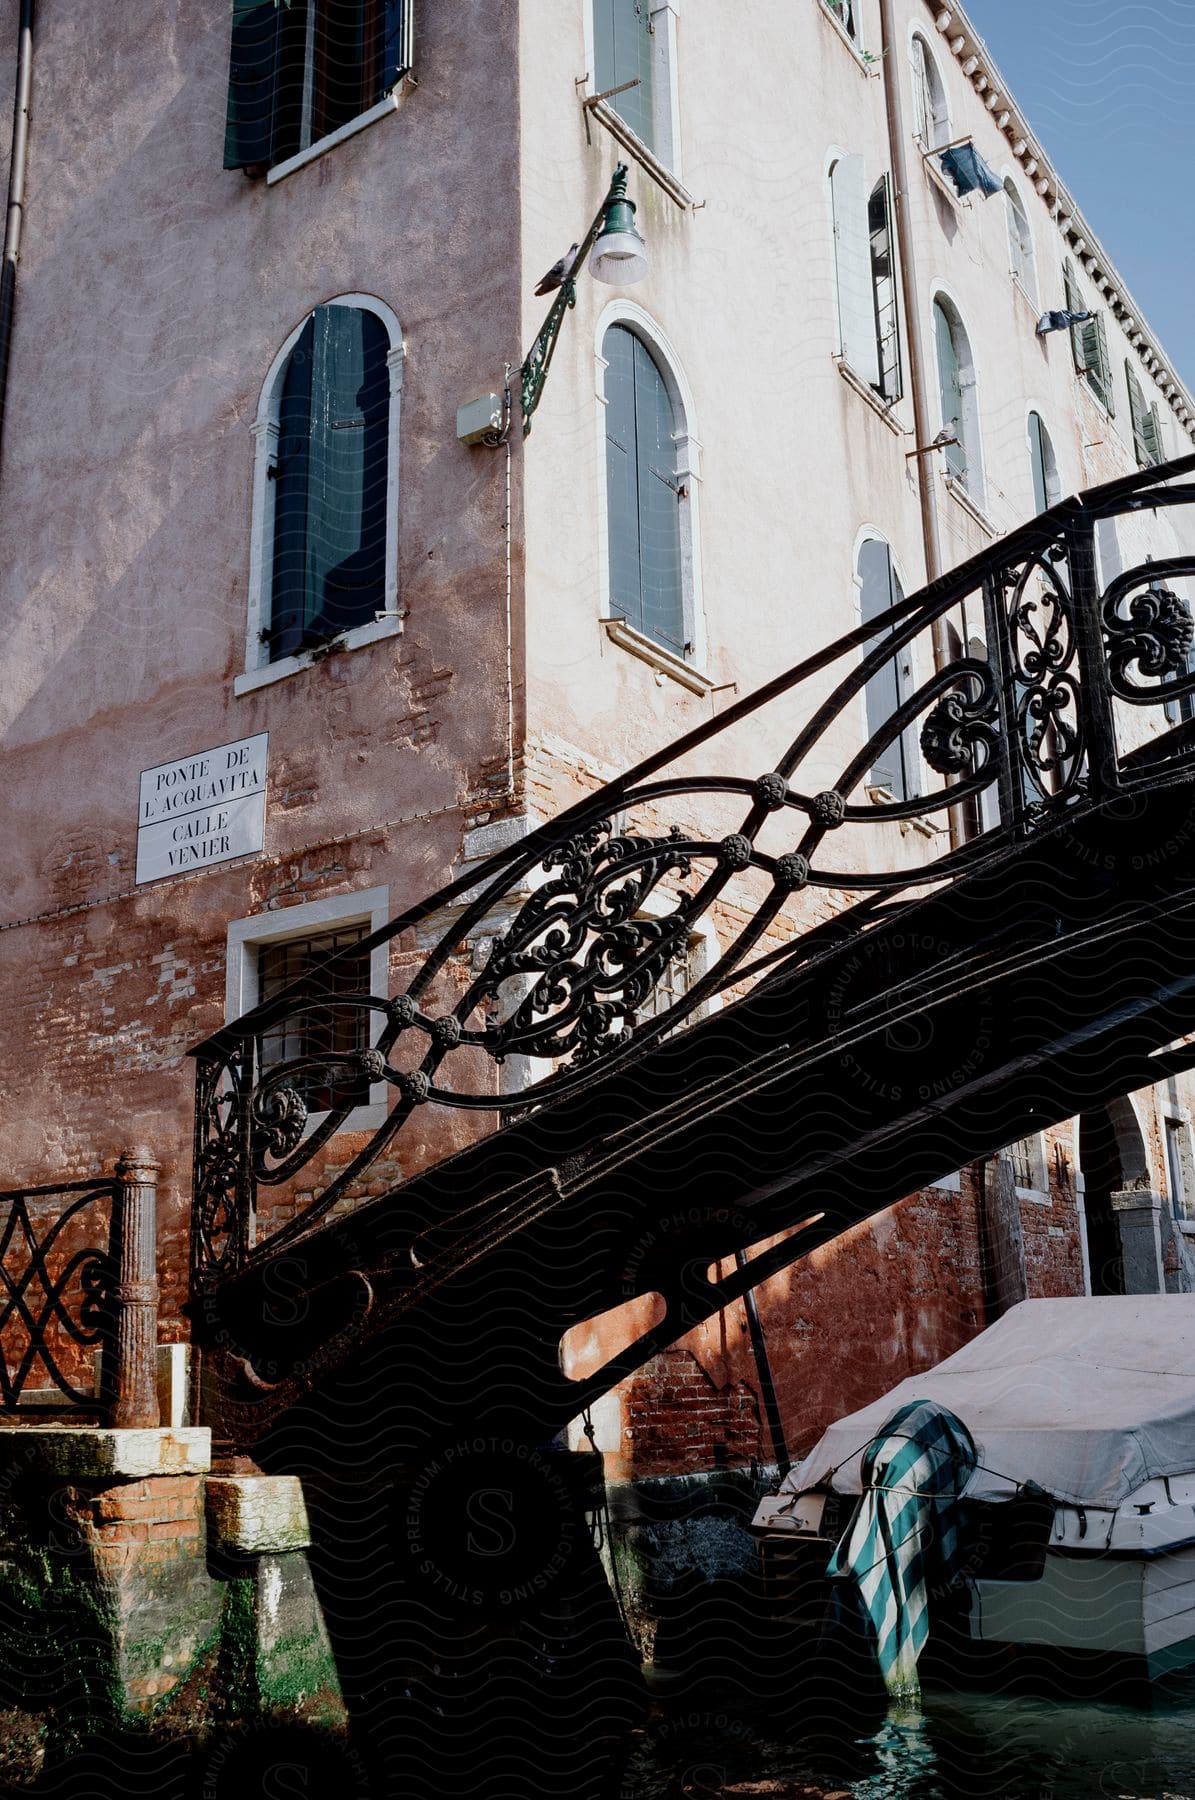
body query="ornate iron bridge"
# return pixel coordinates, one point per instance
(1044, 689)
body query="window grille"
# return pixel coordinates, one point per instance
(324, 1030)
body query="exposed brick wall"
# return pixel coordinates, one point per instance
(678, 1422)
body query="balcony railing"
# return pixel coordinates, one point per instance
(1038, 679)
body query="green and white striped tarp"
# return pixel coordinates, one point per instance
(905, 1534)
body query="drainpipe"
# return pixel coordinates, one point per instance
(16, 196)
(910, 293)
(923, 429)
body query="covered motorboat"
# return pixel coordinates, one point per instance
(1072, 1522)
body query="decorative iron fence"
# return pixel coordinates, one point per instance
(77, 1277)
(1038, 678)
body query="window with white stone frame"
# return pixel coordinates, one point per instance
(1028, 1158)
(323, 548)
(269, 950)
(1180, 1165)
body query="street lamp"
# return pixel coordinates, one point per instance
(619, 258)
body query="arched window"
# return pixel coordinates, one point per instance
(1020, 242)
(931, 115)
(645, 496)
(896, 767)
(324, 561)
(956, 388)
(1047, 489)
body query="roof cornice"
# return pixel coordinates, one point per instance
(979, 67)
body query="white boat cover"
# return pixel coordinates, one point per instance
(1087, 1397)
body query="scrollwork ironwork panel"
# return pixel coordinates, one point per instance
(56, 1294)
(557, 950)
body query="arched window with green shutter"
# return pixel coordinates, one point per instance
(956, 391)
(330, 481)
(643, 494)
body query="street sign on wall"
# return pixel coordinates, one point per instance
(202, 809)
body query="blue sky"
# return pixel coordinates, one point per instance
(1109, 88)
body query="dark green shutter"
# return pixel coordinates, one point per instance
(330, 504)
(398, 41)
(1138, 414)
(252, 73)
(288, 595)
(643, 507)
(1151, 431)
(622, 51)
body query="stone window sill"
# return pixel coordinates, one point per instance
(956, 488)
(389, 625)
(882, 796)
(664, 662)
(382, 110)
(846, 40)
(866, 392)
(633, 144)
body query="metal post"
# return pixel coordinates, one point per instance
(763, 1367)
(133, 1387)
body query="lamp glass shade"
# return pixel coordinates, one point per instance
(619, 258)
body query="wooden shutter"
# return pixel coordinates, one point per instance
(643, 508)
(852, 269)
(883, 282)
(883, 693)
(1074, 303)
(623, 51)
(659, 505)
(1138, 415)
(1037, 457)
(398, 42)
(346, 534)
(252, 73)
(922, 103)
(288, 592)
(1151, 432)
(344, 81)
(331, 483)
(950, 389)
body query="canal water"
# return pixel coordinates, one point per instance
(956, 1747)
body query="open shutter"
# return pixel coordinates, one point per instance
(1138, 414)
(346, 520)
(883, 693)
(950, 389)
(922, 105)
(659, 506)
(1103, 363)
(252, 74)
(1074, 303)
(622, 45)
(622, 483)
(852, 268)
(288, 590)
(883, 282)
(1037, 457)
(398, 41)
(1151, 431)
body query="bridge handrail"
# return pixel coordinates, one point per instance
(1027, 729)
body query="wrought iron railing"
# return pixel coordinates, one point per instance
(1027, 685)
(76, 1278)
